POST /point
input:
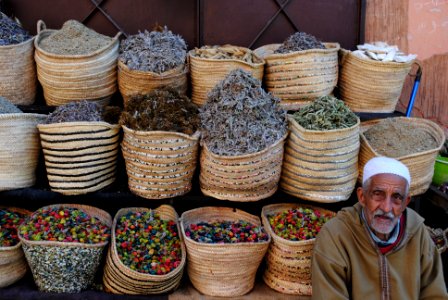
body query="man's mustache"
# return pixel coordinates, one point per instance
(380, 213)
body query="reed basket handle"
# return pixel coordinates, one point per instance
(41, 26)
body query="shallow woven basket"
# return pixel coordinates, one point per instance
(288, 263)
(420, 164)
(80, 157)
(13, 265)
(249, 177)
(159, 164)
(206, 73)
(299, 77)
(67, 78)
(18, 73)
(120, 279)
(133, 82)
(226, 270)
(320, 166)
(367, 85)
(19, 150)
(63, 267)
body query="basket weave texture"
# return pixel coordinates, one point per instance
(320, 166)
(226, 270)
(120, 279)
(420, 164)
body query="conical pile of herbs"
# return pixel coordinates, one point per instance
(239, 117)
(325, 113)
(11, 32)
(7, 107)
(300, 41)
(83, 111)
(164, 110)
(156, 51)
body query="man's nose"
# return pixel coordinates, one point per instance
(386, 205)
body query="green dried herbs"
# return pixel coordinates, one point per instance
(164, 110)
(326, 113)
(7, 107)
(300, 41)
(76, 112)
(239, 117)
(11, 32)
(227, 52)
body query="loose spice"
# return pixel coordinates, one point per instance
(7, 107)
(227, 52)
(9, 222)
(300, 41)
(83, 111)
(11, 32)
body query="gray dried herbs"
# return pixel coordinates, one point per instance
(325, 113)
(7, 107)
(164, 110)
(300, 41)
(11, 32)
(227, 52)
(76, 112)
(155, 51)
(239, 117)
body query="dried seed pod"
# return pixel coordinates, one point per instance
(226, 52)
(300, 41)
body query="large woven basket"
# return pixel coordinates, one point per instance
(371, 86)
(299, 77)
(80, 157)
(421, 164)
(226, 270)
(19, 150)
(288, 263)
(18, 73)
(320, 166)
(67, 78)
(133, 82)
(120, 279)
(206, 73)
(65, 267)
(159, 164)
(13, 265)
(249, 177)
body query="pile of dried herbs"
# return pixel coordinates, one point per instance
(83, 111)
(7, 107)
(11, 32)
(156, 51)
(74, 39)
(163, 110)
(226, 52)
(239, 117)
(300, 41)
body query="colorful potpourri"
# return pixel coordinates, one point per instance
(147, 244)
(64, 225)
(226, 232)
(9, 221)
(298, 224)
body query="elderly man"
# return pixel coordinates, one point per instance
(378, 248)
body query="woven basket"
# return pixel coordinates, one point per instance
(18, 73)
(421, 164)
(67, 78)
(159, 164)
(19, 150)
(120, 279)
(226, 270)
(320, 166)
(288, 263)
(133, 82)
(371, 86)
(80, 157)
(65, 267)
(206, 73)
(13, 265)
(438, 234)
(299, 77)
(249, 177)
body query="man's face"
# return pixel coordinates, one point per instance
(384, 201)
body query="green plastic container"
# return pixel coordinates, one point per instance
(440, 170)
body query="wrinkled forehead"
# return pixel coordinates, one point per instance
(388, 181)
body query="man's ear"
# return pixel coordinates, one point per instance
(407, 200)
(360, 194)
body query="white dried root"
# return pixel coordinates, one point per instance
(381, 51)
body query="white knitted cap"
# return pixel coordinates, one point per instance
(385, 165)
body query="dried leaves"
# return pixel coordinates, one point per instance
(76, 112)
(7, 107)
(239, 117)
(155, 51)
(11, 32)
(162, 110)
(227, 52)
(300, 41)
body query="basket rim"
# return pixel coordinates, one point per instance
(22, 116)
(332, 47)
(378, 62)
(262, 63)
(80, 123)
(10, 46)
(194, 136)
(295, 123)
(15, 209)
(171, 72)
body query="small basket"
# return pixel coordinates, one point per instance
(225, 270)
(159, 164)
(288, 263)
(120, 279)
(320, 166)
(299, 77)
(65, 267)
(421, 164)
(248, 177)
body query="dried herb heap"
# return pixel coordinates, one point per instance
(9, 222)
(74, 39)
(325, 113)
(76, 112)
(162, 110)
(11, 32)
(300, 41)
(7, 107)
(239, 117)
(155, 51)
(226, 52)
